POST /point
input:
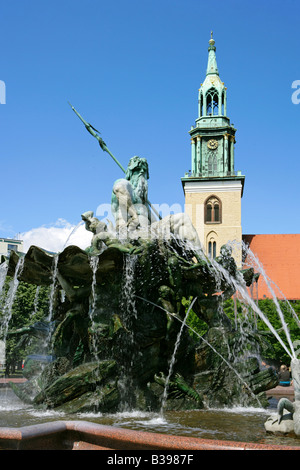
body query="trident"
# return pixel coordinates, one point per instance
(102, 144)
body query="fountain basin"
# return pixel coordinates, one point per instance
(83, 435)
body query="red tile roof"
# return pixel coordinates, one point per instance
(279, 256)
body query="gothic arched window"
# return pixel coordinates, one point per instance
(212, 210)
(212, 102)
(211, 244)
(212, 249)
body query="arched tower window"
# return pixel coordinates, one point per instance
(212, 249)
(212, 102)
(213, 210)
(211, 244)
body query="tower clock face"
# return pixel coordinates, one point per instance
(212, 144)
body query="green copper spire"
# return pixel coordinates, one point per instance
(212, 137)
(212, 68)
(212, 92)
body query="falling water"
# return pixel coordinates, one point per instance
(241, 288)
(129, 311)
(7, 309)
(173, 358)
(269, 284)
(256, 309)
(209, 345)
(48, 319)
(52, 289)
(36, 301)
(275, 300)
(128, 294)
(287, 303)
(94, 261)
(3, 273)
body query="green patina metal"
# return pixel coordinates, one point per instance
(212, 68)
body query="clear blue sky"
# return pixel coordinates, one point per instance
(133, 68)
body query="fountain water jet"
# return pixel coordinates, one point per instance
(3, 274)
(94, 261)
(259, 268)
(207, 343)
(173, 358)
(239, 286)
(73, 231)
(7, 309)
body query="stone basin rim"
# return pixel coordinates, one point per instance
(85, 435)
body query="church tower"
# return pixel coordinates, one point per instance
(212, 188)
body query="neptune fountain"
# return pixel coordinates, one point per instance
(112, 334)
(116, 336)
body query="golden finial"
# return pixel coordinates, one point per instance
(211, 41)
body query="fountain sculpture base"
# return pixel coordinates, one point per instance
(114, 332)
